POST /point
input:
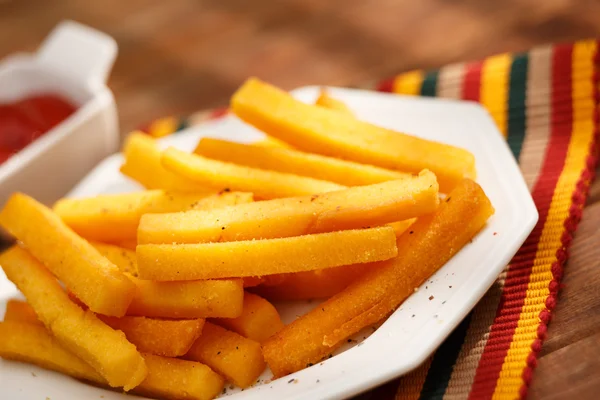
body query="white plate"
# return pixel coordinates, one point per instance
(415, 330)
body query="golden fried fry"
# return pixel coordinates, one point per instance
(92, 278)
(309, 285)
(259, 319)
(168, 338)
(79, 331)
(357, 207)
(20, 311)
(171, 378)
(238, 359)
(191, 299)
(33, 344)
(168, 262)
(115, 217)
(163, 337)
(269, 141)
(264, 184)
(318, 130)
(290, 161)
(142, 164)
(167, 378)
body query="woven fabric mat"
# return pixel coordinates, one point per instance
(545, 104)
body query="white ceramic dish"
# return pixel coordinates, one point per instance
(74, 61)
(420, 325)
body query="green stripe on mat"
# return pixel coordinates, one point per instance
(429, 86)
(517, 94)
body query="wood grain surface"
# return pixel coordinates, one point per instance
(176, 57)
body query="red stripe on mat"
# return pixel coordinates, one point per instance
(386, 86)
(472, 81)
(515, 289)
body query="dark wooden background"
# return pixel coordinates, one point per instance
(176, 57)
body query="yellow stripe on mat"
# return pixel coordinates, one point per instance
(409, 83)
(495, 77)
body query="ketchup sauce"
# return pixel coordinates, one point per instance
(26, 120)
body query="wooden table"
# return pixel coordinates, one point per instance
(181, 56)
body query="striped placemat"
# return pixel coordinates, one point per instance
(545, 104)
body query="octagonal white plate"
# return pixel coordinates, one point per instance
(415, 330)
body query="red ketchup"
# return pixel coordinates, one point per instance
(26, 120)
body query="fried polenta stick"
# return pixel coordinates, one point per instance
(290, 161)
(176, 262)
(318, 130)
(91, 277)
(356, 207)
(309, 285)
(237, 358)
(162, 337)
(269, 141)
(167, 378)
(190, 299)
(435, 239)
(264, 184)
(142, 164)
(259, 320)
(113, 357)
(168, 338)
(113, 218)
(33, 344)
(20, 311)
(172, 378)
